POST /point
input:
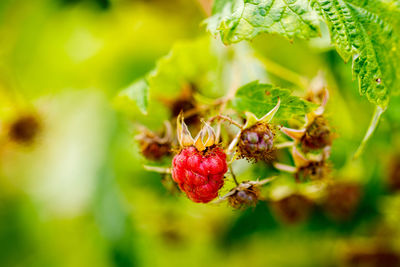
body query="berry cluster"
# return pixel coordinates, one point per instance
(200, 164)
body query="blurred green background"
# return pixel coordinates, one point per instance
(78, 195)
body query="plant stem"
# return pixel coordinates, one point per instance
(284, 73)
(157, 169)
(284, 145)
(372, 126)
(225, 118)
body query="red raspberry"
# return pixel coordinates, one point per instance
(200, 174)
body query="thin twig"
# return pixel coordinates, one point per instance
(233, 175)
(284, 73)
(157, 169)
(284, 145)
(225, 118)
(372, 126)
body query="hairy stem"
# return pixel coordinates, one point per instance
(226, 118)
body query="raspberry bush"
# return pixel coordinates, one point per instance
(200, 132)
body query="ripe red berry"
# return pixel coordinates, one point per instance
(200, 174)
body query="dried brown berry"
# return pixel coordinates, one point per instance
(342, 199)
(394, 174)
(24, 129)
(257, 143)
(372, 256)
(244, 197)
(154, 150)
(152, 146)
(292, 209)
(314, 170)
(317, 135)
(185, 103)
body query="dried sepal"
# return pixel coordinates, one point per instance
(295, 134)
(317, 91)
(315, 134)
(299, 159)
(184, 137)
(251, 119)
(314, 167)
(205, 138)
(270, 115)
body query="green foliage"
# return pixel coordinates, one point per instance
(189, 62)
(81, 183)
(261, 98)
(360, 30)
(243, 20)
(366, 37)
(138, 93)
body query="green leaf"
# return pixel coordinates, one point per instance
(245, 19)
(137, 93)
(192, 62)
(261, 98)
(362, 31)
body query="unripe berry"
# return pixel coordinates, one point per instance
(200, 174)
(257, 143)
